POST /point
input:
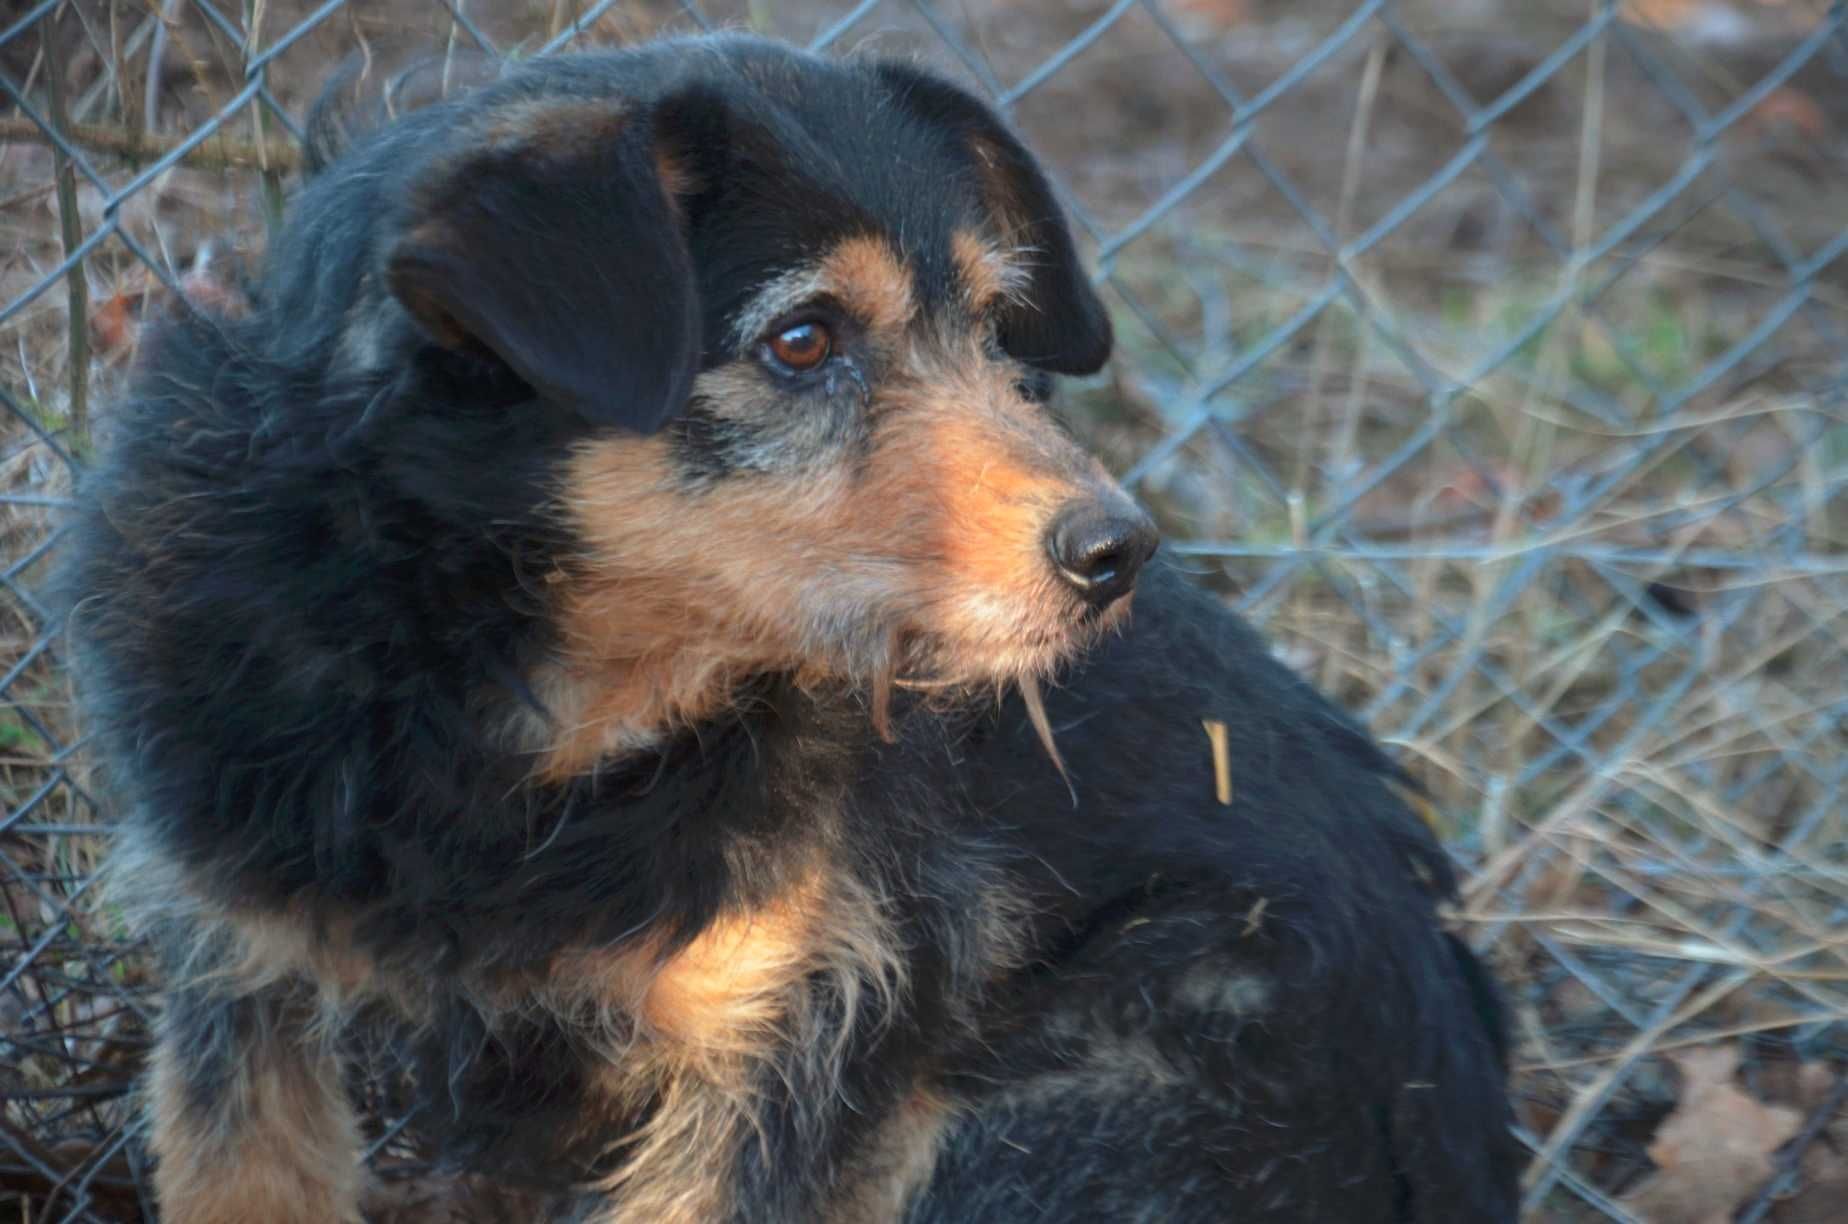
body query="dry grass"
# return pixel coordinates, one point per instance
(1588, 579)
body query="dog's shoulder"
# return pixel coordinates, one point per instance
(1250, 940)
(1188, 741)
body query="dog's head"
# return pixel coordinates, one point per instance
(808, 310)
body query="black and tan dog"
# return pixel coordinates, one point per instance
(554, 636)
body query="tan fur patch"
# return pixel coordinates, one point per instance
(235, 950)
(987, 275)
(711, 1019)
(682, 601)
(896, 1164)
(286, 1151)
(277, 946)
(720, 991)
(872, 281)
(550, 129)
(996, 504)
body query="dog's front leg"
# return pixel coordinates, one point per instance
(249, 1121)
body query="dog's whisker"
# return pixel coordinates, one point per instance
(1029, 687)
(883, 682)
(926, 686)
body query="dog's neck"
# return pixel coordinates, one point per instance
(578, 716)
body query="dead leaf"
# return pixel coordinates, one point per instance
(116, 324)
(1715, 1149)
(1213, 15)
(1791, 107)
(1821, 1196)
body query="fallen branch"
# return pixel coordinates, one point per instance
(70, 227)
(216, 152)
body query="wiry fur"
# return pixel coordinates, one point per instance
(506, 669)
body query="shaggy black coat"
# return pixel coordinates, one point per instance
(309, 594)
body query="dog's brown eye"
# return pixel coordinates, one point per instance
(802, 347)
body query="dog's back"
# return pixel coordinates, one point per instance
(552, 639)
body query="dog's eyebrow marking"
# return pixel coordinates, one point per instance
(863, 273)
(868, 275)
(988, 274)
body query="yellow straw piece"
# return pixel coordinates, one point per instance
(1222, 760)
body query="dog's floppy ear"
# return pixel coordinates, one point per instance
(1060, 325)
(547, 234)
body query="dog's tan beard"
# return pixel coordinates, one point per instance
(925, 665)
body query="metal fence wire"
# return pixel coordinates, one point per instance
(1489, 353)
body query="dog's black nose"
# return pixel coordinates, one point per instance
(1098, 547)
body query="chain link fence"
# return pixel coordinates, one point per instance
(1489, 353)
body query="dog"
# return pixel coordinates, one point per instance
(611, 631)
